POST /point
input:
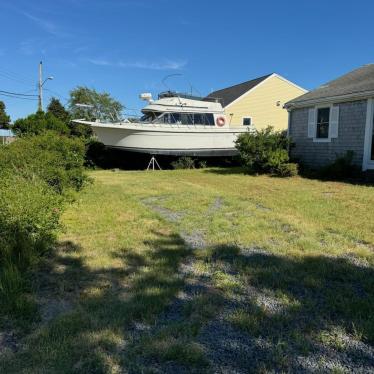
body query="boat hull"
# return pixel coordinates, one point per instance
(168, 140)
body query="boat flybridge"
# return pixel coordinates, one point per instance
(175, 124)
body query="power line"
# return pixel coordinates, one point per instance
(16, 93)
(16, 77)
(18, 97)
(57, 94)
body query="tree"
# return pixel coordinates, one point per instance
(58, 110)
(38, 123)
(4, 118)
(103, 105)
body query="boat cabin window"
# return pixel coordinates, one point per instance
(189, 118)
(150, 116)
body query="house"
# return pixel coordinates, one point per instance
(335, 118)
(6, 136)
(258, 102)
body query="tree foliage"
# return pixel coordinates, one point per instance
(56, 159)
(4, 118)
(58, 110)
(38, 123)
(103, 105)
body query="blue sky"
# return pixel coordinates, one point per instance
(126, 47)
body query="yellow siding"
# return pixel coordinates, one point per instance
(261, 104)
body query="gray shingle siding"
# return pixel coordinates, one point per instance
(352, 120)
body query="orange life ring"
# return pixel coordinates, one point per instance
(220, 121)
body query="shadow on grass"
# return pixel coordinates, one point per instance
(292, 309)
(131, 318)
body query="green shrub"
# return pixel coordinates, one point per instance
(288, 170)
(265, 151)
(202, 164)
(38, 123)
(341, 168)
(96, 154)
(29, 216)
(56, 159)
(36, 172)
(183, 163)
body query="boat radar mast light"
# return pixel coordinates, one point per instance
(146, 97)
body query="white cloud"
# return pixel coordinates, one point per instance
(99, 62)
(27, 47)
(46, 25)
(164, 65)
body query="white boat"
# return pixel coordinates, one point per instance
(175, 124)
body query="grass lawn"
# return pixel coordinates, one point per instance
(204, 271)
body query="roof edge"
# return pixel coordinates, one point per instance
(263, 77)
(263, 81)
(329, 99)
(288, 81)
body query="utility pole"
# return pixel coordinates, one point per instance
(40, 86)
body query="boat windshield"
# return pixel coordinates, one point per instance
(150, 116)
(206, 119)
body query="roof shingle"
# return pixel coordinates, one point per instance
(353, 83)
(227, 95)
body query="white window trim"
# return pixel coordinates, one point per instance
(367, 163)
(322, 140)
(246, 117)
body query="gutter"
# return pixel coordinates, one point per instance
(329, 99)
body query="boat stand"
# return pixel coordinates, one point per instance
(153, 163)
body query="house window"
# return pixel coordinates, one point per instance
(247, 121)
(323, 123)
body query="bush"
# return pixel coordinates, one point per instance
(96, 154)
(56, 159)
(341, 168)
(265, 151)
(38, 123)
(183, 163)
(29, 216)
(36, 172)
(288, 170)
(202, 164)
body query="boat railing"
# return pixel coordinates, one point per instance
(167, 125)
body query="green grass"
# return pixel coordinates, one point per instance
(286, 260)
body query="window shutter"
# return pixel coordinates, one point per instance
(312, 123)
(334, 122)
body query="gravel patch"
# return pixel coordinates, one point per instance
(356, 357)
(195, 239)
(216, 205)
(228, 350)
(250, 251)
(51, 308)
(356, 261)
(262, 207)
(154, 204)
(8, 342)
